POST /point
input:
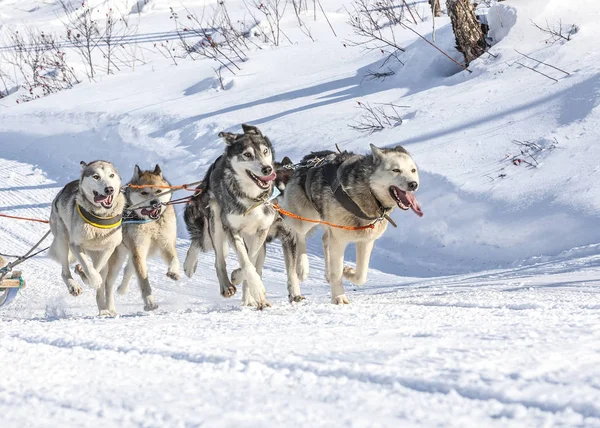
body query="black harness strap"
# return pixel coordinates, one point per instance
(100, 222)
(330, 174)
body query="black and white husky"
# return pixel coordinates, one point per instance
(350, 190)
(230, 209)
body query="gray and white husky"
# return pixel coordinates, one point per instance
(280, 231)
(149, 230)
(86, 222)
(350, 190)
(229, 209)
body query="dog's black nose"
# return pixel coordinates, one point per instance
(413, 185)
(155, 203)
(267, 170)
(109, 190)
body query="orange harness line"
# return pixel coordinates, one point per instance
(25, 218)
(143, 186)
(292, 215)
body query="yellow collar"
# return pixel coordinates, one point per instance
(100, 222)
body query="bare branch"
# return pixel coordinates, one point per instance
(539, 72)
(541, 62)
(375, 119)
(557, 32)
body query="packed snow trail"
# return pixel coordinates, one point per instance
(496, 348)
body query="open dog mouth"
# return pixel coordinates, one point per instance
(262, 182)
(153, 213)
(406, 200)
(105, 200)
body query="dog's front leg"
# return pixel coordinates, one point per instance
(127, 275)
(247, 253)
(302, 266)
(60, 250)
(358, 276)
(94, 279)
(219, 243)
(237, 276)
(114, 266)
(141, 269)
(103, 308)
(335, 267)
(169, 255)
(289, 246)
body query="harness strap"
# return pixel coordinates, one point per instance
(136, 221)
(330, 173)
(100, 222)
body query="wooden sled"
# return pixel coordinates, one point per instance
(10, 286)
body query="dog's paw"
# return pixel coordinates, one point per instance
(189, 266)
(349, 272)
(340, 300)
(259, 304)
(150, 304)
(74, 287)
(107, 313)
(228, 291)
(262, 305)
(351, 275)
(237, 277)
(255, 293)
(173, 275)
(296, 299)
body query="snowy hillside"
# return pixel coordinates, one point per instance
(484, 312)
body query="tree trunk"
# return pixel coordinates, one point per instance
(467, 29)
(435, 7)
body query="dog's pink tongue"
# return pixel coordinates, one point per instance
(414, 205)
(269, 177)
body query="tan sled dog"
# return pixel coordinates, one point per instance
(146, 231)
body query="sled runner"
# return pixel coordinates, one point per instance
(10, 284)
(11, 281)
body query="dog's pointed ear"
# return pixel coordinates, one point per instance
(228, 137)
(401, 149)
(249, 129)
(157, 171)
(286, 161)
(136, 173)
(377, 153)
(83, 164)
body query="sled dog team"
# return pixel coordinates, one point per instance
(233, 206)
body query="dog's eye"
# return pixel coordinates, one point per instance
(413, 170)
(248, 155)
(112, 176)
(158, 191)
(266, 151)
(397, 171)
(144, 193)
(96, 177)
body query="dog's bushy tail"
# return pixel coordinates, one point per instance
(196, 216)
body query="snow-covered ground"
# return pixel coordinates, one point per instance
(485, 312)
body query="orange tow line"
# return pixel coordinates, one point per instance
(338, 226)
(25, 218)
